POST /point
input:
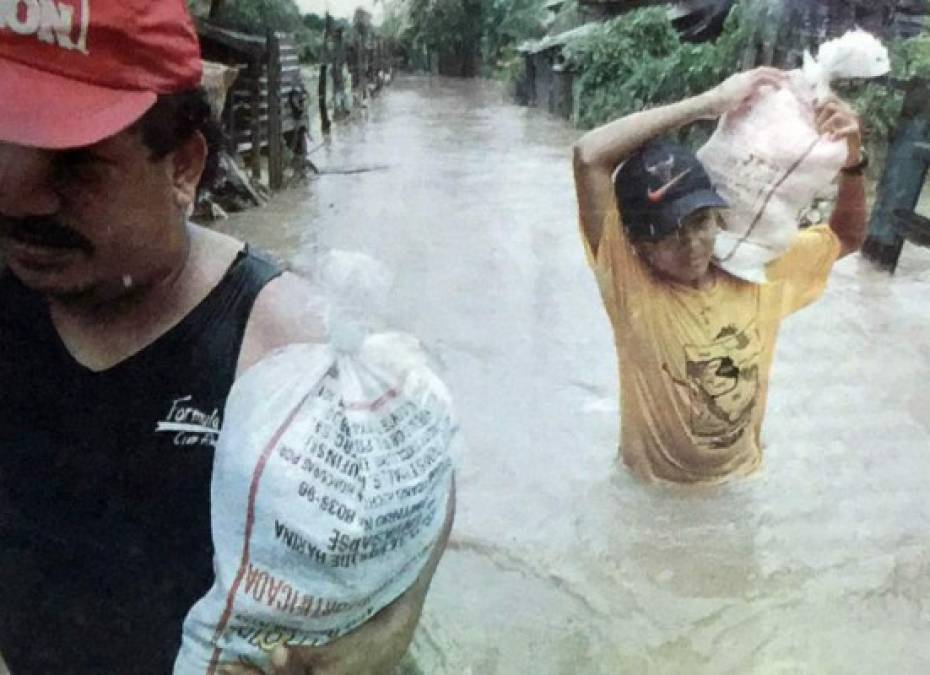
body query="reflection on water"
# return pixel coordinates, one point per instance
(560, 563)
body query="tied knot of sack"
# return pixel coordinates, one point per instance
(357, 288)
(347, 332)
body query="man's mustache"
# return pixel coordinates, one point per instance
(46, 232)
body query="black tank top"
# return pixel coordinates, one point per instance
(105, 483)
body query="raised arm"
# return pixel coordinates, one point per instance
(849, 219)
(598, 153)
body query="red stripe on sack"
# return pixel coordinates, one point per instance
(377, 403)
(249, 525)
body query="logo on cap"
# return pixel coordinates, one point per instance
(56, 22)
(657, 195)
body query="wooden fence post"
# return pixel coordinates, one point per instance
(232, 142)
(255, 68)
(321, 84)
(903, 177)
(325, 124)
(275, 124)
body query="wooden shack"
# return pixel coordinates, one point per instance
(266, 109)
(548, 81)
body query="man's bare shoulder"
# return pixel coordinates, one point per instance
(213, 251)
(287, 310)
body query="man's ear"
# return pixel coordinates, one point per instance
(187, 164)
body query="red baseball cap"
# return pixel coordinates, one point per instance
(73, 72)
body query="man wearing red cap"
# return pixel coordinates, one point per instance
(695, 343)
(122, 328)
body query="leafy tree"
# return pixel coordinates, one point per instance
(314, 22)
(460, 33)
(447, 30)
(256, 16)
(508, 23)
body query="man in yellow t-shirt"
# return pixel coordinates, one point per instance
(695, 344)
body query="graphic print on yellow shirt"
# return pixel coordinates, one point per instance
(722, 384)
(694, 364)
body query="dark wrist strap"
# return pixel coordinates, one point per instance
(857, 168)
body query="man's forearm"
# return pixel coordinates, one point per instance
(398, 621)
(608, 145)
(378, 645)
(849, 218)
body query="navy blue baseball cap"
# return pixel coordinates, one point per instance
(659, 186)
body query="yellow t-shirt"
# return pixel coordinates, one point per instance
(694, 364)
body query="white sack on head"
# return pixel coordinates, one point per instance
(330, 487)
(769, 162)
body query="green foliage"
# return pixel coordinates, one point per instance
(878, 107)
(256, 16)
(637, 61)
(507, 24)
(313, 22)
(511, 69)
(433, 23)
(911, 58)
(449, 29)
(879, 104)
(496, 27)
(310, 45)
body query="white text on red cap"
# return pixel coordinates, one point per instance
(57, 22)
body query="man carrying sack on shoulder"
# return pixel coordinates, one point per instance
(694, 343)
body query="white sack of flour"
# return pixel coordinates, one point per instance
(769, 162)
(330, 486)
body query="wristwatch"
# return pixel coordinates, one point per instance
(857, 168)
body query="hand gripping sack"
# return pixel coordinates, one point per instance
(769, 162)
(330, 486)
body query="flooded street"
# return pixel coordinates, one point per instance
(560, 563)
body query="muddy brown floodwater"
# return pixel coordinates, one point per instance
(561, 564)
